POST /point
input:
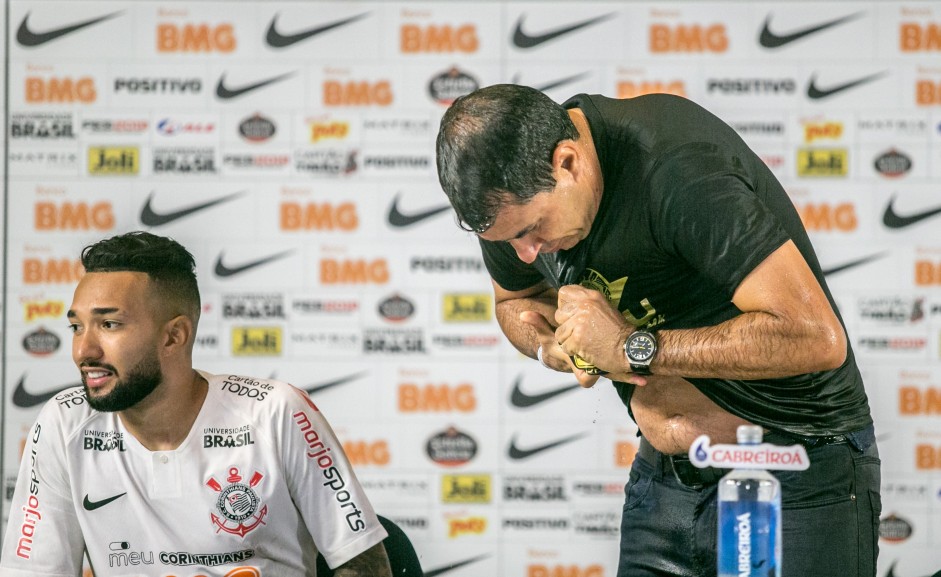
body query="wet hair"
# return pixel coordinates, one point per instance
(168, 264)
(495, 147)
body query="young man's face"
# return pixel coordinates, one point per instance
(549, 222)
(117, 332)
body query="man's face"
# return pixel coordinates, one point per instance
(549, 222)
(116, 338)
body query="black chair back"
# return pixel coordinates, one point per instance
(402, 556)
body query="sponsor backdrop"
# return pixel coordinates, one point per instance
(290, 146)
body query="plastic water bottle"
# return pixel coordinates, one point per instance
(749, 515)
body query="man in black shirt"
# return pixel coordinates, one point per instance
(642, 239)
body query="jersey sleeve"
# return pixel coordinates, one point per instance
(43, 536)
(331, 501)
(707, 211)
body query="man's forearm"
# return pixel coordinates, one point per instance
(750, 346)
(521, 335)
(372, 562)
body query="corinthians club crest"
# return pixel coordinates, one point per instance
(237, 503)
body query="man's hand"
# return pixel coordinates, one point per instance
(553, 356)
(594, 330)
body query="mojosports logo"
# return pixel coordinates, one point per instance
(764, 456)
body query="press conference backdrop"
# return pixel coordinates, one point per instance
(290, 146)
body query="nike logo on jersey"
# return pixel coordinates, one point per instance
(769, 39)
(524, 401)
(24, 399)
(226, 93)
(523, 40)
(224, 271)
(92, 505)
(452, 566)
(31, 39)
(816, 93)
(150, 217)
(892, 219)
(851, 264)
(277, 40)
(314, 389)
(399, 219)
(517, 454)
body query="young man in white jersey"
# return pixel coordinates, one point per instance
(168, 470)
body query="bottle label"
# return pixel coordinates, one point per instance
(764, 456)
(747, 539)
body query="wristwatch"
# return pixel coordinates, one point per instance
(640, 348)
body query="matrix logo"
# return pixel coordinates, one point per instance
(111, 161)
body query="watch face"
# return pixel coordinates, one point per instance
(641, 347)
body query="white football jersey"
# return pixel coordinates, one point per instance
(256, 489)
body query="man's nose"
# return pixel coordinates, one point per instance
(85, 346)
(527, 248)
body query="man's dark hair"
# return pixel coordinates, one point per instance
(168, 264)
(495, 146)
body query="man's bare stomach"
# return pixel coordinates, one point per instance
(671, 413)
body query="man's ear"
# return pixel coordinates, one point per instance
(177, 333)
(565, 161)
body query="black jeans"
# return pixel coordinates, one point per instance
(830, 515)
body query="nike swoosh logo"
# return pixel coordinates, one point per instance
(398, 219)
(852, 264)
(277, 40)
(555, 83)
(524, 40)
(448, 568)
(891, 572)
(227, 271)
(517, 454)
(24, 399)
(893, 220)
(149, 217)
(769, 39)
(31, 39)
(524, 401)
(314, 389)
(92, 505)
(226, 93)
(815, 93)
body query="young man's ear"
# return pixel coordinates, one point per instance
(179, 331)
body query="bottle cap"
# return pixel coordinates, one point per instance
(749, 434)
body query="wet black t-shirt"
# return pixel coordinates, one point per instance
(688, 210)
